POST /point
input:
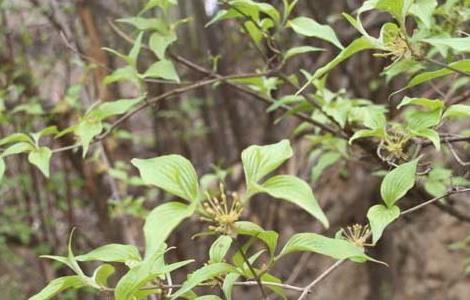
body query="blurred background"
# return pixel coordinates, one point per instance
(52, 65)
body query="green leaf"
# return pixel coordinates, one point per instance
(397, 8)
(166, 269)
(227, 286)
(269, 237)
(380, 217)
(135, 50)
(172, 173)
(457, 110)
(86, 130)
(161, 221)
(360, 44)
(461, 65)
(18, 148)
(136, 277)
(423, 102)
(16, 138)
(429, 134)
(203, 274)
(125, 73)
(162, 69)
(309, 27)
(296, 191)
(372, 117)
(127, 254)
(50, 130)
(113, 108)
(398, 182)
(40, 158)
(164, 4)
(458, 44)
(144, 24)
(424, 9)
(102, 273)
(266, 277)
(2, 168)
(357, 45)
(301, 50)
(158, 43)
(208, 297)
(259, 161)
(312, 242)
(219, 248)
(58, 285)
(418, 120)
(325, 161)
(289, 99)
(364, 133)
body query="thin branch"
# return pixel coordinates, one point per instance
(456, 156)
(252, 270)
(322, 276)
(431, 201)
(186, 62)
(249, 283)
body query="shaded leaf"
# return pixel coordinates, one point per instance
(40, 158)
(398, 182)
(380, 217)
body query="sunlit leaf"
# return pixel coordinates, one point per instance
(311, 28)
(219, 248)
(112, 253)
(269, 237)
(335, 248)
(424, 10)
(296, 191)
(162, 69)
(259, 161)
(461, 65)
(58, 285)
(102, 273)
(172, 173)
(457, 110)
(161, 221)
(203, 274)
(301, 50)
(431, 104)
(158, 43)
(458, 44)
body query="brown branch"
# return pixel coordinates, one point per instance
(322, 276)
